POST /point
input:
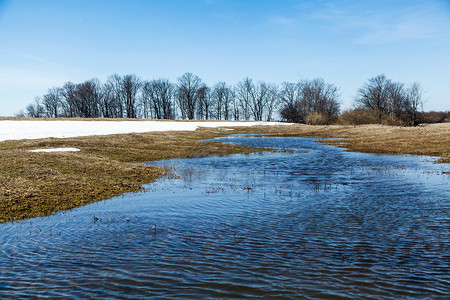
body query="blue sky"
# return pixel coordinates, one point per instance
(47, 43)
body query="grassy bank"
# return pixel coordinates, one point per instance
(39, 184)
(433, 140)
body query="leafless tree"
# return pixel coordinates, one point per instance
(131, 85)
(243, 95)
(109, 104)
(235, 106)
(373, 95)
(68, 92)
(35, 110)
(397, 101)
(204, 103)
(52, 102)
(223, 98)
(218, 95)
(88, 97)
(309, 96)
(157, 96)
(415, 99)
(389, 98)
(116, 96)
(260, 95)
(188, 92)
(273, 101)
(290, 97)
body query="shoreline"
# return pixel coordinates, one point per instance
(36, 184)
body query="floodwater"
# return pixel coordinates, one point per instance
(316, 222)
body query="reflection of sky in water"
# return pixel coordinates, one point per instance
(317, 221)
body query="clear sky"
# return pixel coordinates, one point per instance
(47, 43)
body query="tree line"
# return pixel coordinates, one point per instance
(307, 101)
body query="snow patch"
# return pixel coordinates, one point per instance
(18, 130)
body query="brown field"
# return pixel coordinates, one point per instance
(39, 184)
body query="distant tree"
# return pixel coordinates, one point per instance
(21, 114)
(222, 98)
(434, 117)
(260, 97)
(235, 106)
(146, 99)
(396, 99)
(131, 85)
(188, 93)
(35, 110)
(243, 96)
(68, 92)
(218, 96)
(108, 104)
(415, 100)
(391, 101)
(88, 99)
(307, 97)
(158, 99)
(52, 102)
(115, 98)
(373, 95)
(204, 103)
(273, 101)
(290, 97)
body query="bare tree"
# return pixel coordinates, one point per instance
(389, 98)
(218, 95)
(243, 94)
(373, 95)
(157, 98)
(68, 92)
(109, 104)
(235, 106)
(117, 98)
(204, 103)
(397, 101)
(87, 99)
(415, 99)
(273, 101)
(188, 92)
(260, 95)
(35, 110)
(223, 98)
(52, 102)
(290, 97)
(307, 97)
(131, 85)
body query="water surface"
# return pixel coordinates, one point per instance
(316, 222)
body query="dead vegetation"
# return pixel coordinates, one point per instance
(39, 184)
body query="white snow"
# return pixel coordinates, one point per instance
(18, 130)
(56, 150)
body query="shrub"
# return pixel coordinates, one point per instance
(316, 118)
(434, 117)
(358, 116)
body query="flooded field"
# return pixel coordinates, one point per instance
(315, 222)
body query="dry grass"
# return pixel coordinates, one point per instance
(39, 184)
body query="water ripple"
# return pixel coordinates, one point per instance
(315, 223)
